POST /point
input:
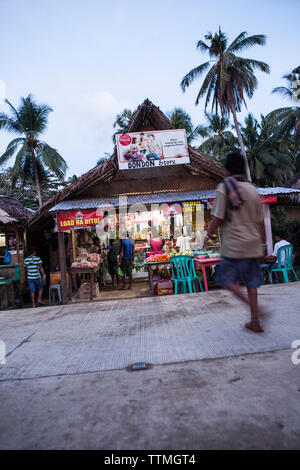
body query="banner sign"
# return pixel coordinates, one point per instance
(75, 219)
(151, 149)
(272, 199)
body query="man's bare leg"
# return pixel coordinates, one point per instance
(251, 301)
(33, 300)
(39, 299)
(130, 283)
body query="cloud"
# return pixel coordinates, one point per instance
(102, 106)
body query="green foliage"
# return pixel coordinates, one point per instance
(122, 122)
(270, 160)
(277, 217)
(25, 191)
(221, 140)
(103, 159)
(34, 158)
(180, 119)
(229, 76)
(287, 119)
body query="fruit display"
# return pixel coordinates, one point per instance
(157, 258)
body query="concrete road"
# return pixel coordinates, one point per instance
(250, 400)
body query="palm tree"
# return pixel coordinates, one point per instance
(180, 119)
(229, 78)
(34, 157)
(288, 119)
(221, 140)
(270, 161)
(122, 122)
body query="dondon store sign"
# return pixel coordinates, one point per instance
(75, 219)
(150, 149)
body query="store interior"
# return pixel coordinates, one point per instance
(158, 234)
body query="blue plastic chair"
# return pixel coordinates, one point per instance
(286, 266)
(184, 275)
(192, 274)
(179, 273)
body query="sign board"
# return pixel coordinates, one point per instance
(151, 149)
(76, 219)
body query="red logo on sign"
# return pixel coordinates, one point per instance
(125, 139)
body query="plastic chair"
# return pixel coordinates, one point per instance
(52, 293)
(192, 274)
(184, 274)
(179, 273)
(286, 266)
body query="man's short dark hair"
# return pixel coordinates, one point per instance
(234, 163)
(31, 250)
(280, 233)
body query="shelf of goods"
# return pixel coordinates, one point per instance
(139, 259)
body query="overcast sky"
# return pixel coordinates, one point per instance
(90, 59)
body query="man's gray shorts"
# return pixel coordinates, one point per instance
(245, 270)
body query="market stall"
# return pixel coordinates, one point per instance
(153, 186)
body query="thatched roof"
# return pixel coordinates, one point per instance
(294, 182)
(12, 210)
(147, 117)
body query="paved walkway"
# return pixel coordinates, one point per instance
(50, 400)
(92, 337)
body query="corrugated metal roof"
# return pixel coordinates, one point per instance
(157, 198)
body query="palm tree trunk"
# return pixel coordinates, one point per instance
(36, 177)
(239, 136)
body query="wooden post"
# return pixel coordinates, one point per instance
(268, 228)
(63, 267)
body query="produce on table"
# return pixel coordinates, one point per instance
(157, 258)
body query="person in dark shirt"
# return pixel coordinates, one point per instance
(126, 259)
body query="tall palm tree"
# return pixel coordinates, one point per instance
(270, 161)
(34, 156)
(180, 119)
(229, 78)
(288, 119)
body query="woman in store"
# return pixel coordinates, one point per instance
(96, 245)
(112, 261)
(156, 245)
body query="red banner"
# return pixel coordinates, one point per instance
(75, 219)
(272, 199)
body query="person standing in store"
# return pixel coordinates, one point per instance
(126, 260)
(112, 260)
(238, 211)
(35, 276)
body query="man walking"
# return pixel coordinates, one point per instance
(35, 271)
(126, 260)
(238, 211)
